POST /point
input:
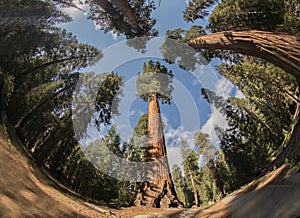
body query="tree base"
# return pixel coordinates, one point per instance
(159, 193)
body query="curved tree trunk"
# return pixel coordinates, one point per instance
(281, 49)
(158, 189)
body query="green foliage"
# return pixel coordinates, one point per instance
(199, 184)
(197, 9)
(107, 99)
(102, 154)
(179, 183)
(175, 49)
(258, 122)
(191, 172)
(204, 146)
(155, 79)
(267, 15)
(140, 137)
(185, 35)
(291, 18)
(207, 187)
(68, 164)
(110, 18)
(40, 71)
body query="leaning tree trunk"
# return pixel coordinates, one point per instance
(124, 7)
(120, 25)
(196, 195)
(280, 49)
(158, 189)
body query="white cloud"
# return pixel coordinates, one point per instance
(73, 12)
(172, 140)
(224, 88)
(131, 113)
(114, 36)
(215, 119)
(186, 1)
(195, 82)
(239, 94)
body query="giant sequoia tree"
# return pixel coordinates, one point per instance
(154, 84)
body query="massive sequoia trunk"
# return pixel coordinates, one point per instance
(281, 49)
(158, 189)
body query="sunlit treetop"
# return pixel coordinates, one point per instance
(155, 79)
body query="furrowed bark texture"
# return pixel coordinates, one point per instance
(158, 190)
(281, 49)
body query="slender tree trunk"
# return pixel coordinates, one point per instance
(196, 195)
(158, 189)
(281, 49)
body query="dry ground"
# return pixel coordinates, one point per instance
(25, 192)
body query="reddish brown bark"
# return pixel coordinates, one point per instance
(281, 49)
(158, 190)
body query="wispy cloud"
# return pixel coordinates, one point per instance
(239, 94)
(131, 113)
(114, 36)
(73, 11)
(224, 88)
(215, 119)
(172, 139)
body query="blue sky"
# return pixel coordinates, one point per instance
(188, 112)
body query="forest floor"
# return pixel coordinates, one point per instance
(275, 195)
(27, 192)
